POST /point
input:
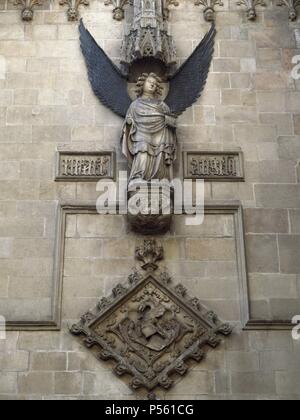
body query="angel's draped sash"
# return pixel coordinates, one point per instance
(149, 143)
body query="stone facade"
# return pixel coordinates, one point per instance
(250, 104)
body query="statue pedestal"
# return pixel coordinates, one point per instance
(150, 207)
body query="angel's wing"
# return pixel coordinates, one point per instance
(107, 81)
(187, 83)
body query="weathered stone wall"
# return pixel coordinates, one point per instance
(250, 103)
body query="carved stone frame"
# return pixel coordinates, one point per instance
(85, 178)
(239, 154)
(211, 207)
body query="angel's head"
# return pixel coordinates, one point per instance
(149, 84)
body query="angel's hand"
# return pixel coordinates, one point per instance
(171, 121)
(129, 121)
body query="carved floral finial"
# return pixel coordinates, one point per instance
(28, 8)
(292, 7)
(73, 8)
(251, 7)
(119, 5)
(209, 8)
(149, 253)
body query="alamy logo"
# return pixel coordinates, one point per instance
(153, 198)
(296, 329)
(296, 70)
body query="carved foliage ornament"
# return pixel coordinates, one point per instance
(118, 11)
(251, 7)
(292, 6)
(209, 8)
(150, 328)
(28, 8)
(73, 8)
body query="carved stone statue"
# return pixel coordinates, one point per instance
(149, 140)
(149, 133)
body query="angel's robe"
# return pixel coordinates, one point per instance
(149, 140)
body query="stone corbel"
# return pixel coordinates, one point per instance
(209, 8)
(292, 6)
(28, 8)
(73, 8)
(119, 5)
(251, 7)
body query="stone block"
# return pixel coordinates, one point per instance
(238, 361)
(6, 98)
(39, 340)
(277, 196)
(279, 360)
(48, 361)
(84, 248)
(204, 115)
(43, 32)
(248, 65)
(266, 221)
(14, 361)
(203, 381)
(8, 383)
(6, 247)
(36, 383)
(231, 97)
(269, 58)
(292, 101)
(260, 309)
(295, 220)
(98, 226)
(30, 287)
(270, 81)
(74, 287)
(232, 49)
(226, 65)
(236, 114)
(262, 253)
(297, 124)
(240, 81)
(284, 309)
(289, 253)
(288, 147)
(210, 249)
(104, 383)
(271, 101)
(88, 134)
(288, 383)
(212, 226)
(253, 383)
(266, 286)
(282, 121)
(267, 340)
(245, 133)
(25, 96)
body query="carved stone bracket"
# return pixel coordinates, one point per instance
(149, 327)
(28, 8)
(292, 7)
(251, 7)
(119, 5)
(209, 8)
(73, 8)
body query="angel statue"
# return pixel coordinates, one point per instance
(149, 136)
(149, 130)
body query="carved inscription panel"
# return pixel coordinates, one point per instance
(214, 166)
(85, 166)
